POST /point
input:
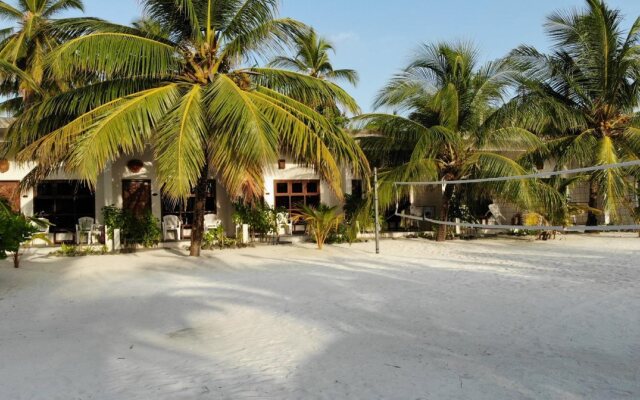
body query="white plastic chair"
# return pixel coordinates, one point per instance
(285, 226)
(86, 226)
(211, 221)
(171, 223)
(495, 212)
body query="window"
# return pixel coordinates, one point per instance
(63, 203)
(290, 195)
(185, 211)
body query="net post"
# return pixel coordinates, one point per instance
(376, 205)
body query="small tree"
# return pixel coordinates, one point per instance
(15, 230)
(321, 221)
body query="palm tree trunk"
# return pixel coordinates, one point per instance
(592, 218)
(444, 213)
(197, 228)
(16, 259)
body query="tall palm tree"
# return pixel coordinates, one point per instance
(583, 96)
(195, 96)
(23, 48)
(312, 57)
(445, 128)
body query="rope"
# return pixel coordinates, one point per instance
(577, 228)
(520, 177)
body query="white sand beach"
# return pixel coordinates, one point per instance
(488, 319)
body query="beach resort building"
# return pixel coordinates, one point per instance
(130, 183)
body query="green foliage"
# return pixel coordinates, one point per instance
(321, 222)
(313, 58)
(71, 250)
(144, 230)
(448, 128)
(15, 230)
(23, 50)
(135, 230)
(260, 216)
(341, 234)
(359, 216)
(113, 218)
(185, 81)
(218, 238)
(582, 97)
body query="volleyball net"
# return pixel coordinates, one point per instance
(493, 219)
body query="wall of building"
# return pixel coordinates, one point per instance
(108, 190)
(293, 171)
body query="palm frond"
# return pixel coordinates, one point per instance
(306, 89)
(180, 145)
(114, 54)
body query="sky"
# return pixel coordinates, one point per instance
(377, 37)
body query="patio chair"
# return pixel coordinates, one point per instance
(211, 221)
(496, 214)
(86, 227)
(171, 223)
(285, 227)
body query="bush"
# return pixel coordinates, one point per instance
(134, 230)
(15, 230)
(261, 217)
(71, 250)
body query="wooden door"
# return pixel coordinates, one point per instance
(136, 196)
(10, 190)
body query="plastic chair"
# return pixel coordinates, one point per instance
(171, 223)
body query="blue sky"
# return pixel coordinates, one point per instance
(377, 37)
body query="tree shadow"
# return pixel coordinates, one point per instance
(293, 323)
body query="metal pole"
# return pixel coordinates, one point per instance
(375, 200)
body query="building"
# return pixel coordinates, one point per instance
(130, 183)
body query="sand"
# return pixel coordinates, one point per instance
(489, 319)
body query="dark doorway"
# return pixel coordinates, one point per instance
(136, 197)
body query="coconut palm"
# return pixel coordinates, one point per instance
(582, 97)
(196, 97)
(444, 128)
(24, 47)
(313, 58)
(321, 221)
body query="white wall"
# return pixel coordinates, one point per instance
(293, 171)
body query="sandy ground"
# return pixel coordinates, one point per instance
(491, 319)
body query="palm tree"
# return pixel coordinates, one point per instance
(313, 58)
(23, 49)
(446, 128)
(322, 221)
(195, 96)
(582, 97)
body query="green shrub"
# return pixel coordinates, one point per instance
(218, 238)
(72, 250)
(134, 230)
(15, 230)
(261, 217)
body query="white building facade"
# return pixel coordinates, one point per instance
(130, 183)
